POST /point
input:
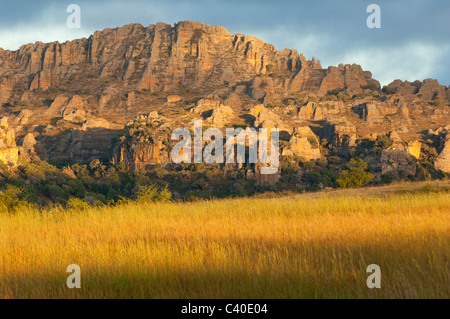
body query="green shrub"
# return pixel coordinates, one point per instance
(76, 187)
(387, 178)
(76, 204)
(356, 175)
(372, 86)
(165, 195)
(12, 199)
(308, 165)
(313, 142)
(150, 193)
(54, 191)
(383, 141)
(388, 90)
(319, 179)
(289, 165)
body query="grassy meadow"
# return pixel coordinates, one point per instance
(298, 246)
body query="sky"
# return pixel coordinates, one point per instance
(413, 42)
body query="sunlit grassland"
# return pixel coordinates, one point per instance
(292, 247)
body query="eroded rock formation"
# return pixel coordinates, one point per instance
(74, 99)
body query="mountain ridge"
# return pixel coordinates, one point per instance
(85, 98)
(24, 49)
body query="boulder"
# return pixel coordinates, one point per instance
(74, 112)
(221, 116)
(173, 98)
(397, 159)
(57, 106)
(261, 88)
(307, 112)
(74, 115)
(23, 117)
(443, 160)
(95, 123)
(29, 143)
(204, 105)
(414, 148)
(304, 143)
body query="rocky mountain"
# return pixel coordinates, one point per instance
(118, 94)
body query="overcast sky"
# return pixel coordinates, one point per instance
(413, 42)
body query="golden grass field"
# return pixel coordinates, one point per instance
(301, 246)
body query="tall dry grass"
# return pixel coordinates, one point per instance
(294, 247)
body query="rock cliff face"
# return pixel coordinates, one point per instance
(164, 58)
(9, 153)
(303, 143)
(397, 159)
(429, 89)
(143, 145)
(443, 160)
(119, 94)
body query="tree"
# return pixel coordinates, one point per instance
(356, 175)
(150, 193)
(12, 199)
(383, 141)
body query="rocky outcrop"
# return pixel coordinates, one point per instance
(372, 114)
(5, 90)
(341, 134)
(443, 160)
(307, 112)
(268, 119)
(56, 107)
(138, 156)
(9, 152)
(414, 148)
(303, 143)
(428, 90)
(397, 159)
(165, 58)
(29, 144)
(314, 111)
(93, 123)
(350, 78)
(262, 89)
(23, 117)
(142, 146)
(173, 98)
(94, 86)
(205, 105)
(220, 116)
